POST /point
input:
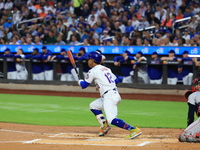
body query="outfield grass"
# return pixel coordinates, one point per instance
(73, 111)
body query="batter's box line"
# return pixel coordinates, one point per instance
(115, 136)
(36, 141)
(55, 135)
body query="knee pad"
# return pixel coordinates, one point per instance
(101, 119)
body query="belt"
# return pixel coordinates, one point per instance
(109, 90)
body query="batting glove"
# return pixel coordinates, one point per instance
(79, 82)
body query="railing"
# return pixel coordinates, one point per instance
(26, 21)
(108, 63)
(180, 20)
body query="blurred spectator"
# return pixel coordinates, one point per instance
(104, 36)
(142, 9)
(153, 19)
(172, 75)
(187, 70)
(85, 11)
(93, 13)
(143, 23)
(29, 41)
(101, 11)
(59, 41)
(42, 13)
(74, 40)
(188, 12)
(92, 21)
(141, 68)
(186, 35)
(135, 22)
(22, 73)
(85, 35)
(14, 41)
(167, 22)
(86, 42)
(37, 40)
(160, 12)
(3, 41)
(139, 42)
(8, 5)
(129, 27)
(76, 34)
(193, 23)
(1, 4)
(37, 68)
(125, 68)
(31, 7)
(77, 7)
(11, 70)
(8, 23)
(65, 67)
(146, 42)
(155, 71)
(51, 39)
(82, 55)
(48, 66)
(23, 41)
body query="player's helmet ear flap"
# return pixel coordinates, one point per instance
(95, 56)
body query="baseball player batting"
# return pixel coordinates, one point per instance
(192, 132)
(105, 82)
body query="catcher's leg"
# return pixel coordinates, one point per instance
(191, 110)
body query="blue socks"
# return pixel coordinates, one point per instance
(120, 123)
(117, 122)
(96, 112)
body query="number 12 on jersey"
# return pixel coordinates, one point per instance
(109, 77)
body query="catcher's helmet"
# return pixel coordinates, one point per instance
(95, 55)
(195, 82)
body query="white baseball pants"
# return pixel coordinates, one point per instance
(108, 103)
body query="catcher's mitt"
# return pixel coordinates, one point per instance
(187, 94)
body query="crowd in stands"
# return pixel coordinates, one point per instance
(100, 22)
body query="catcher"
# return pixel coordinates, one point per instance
(192, 132)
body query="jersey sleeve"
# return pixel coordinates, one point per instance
(89, 77)
(197, 98)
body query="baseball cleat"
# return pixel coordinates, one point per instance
(103, 131)
(134, 133)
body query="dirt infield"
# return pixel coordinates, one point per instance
(31, 137)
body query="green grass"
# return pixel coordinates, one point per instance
(73, 111)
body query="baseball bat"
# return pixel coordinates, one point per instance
(71, 58)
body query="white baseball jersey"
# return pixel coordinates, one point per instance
(103, 77)
(194, 98)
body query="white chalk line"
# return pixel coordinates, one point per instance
(143, 144)
(32, 141)
(27, 132)
(12, 141)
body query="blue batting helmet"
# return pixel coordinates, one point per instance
(95, 55)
